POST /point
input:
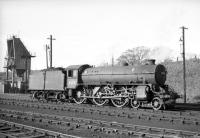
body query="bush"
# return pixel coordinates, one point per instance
(197, 99)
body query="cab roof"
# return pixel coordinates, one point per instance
(77, 67)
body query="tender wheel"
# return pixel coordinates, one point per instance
(156, 103)
(38, 95)
(78, 97)
(99, 100)
(61, 97)
(135, 103)
(119, 102)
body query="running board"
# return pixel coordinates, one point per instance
(105, 97)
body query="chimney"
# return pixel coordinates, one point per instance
(150, 62)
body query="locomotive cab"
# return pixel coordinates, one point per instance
(72, 79)
(73, 75)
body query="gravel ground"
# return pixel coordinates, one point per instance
(134, 121)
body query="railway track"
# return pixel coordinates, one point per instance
(109, 129)
(163, 116)
(101, 121)
(183, 109)
(10, 129)
(180, 109)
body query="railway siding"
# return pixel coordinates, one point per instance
(182, 110)
(142, 115)
(141, 122)
(10, 129)
(109, 128)
(16, 96)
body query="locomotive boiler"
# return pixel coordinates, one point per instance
(142, 74)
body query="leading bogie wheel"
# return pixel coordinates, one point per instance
(157, 103)
(135, 103)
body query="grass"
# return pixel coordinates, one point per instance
(175, 79)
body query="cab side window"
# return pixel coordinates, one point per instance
(70, 73)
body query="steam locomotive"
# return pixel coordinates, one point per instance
(139, 85)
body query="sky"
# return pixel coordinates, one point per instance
(92, 31)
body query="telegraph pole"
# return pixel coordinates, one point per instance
(47, 47)
(51, 49)
(184, 68)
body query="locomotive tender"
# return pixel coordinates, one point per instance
(138, 85)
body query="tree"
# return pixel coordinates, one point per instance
(134, 56)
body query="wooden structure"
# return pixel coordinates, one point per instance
(18, 62)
